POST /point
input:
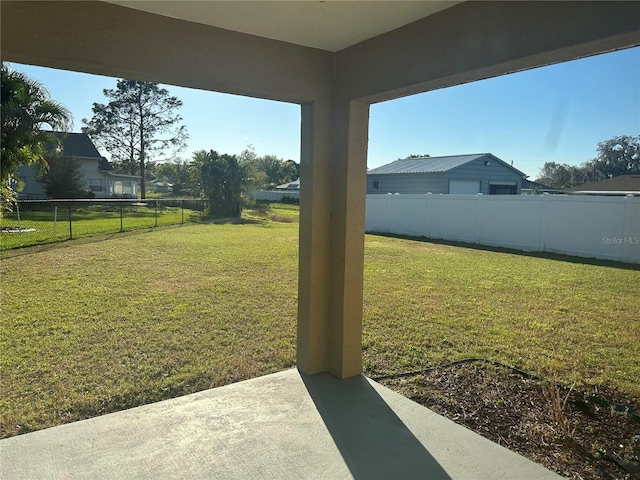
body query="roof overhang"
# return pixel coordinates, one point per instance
(122, 175)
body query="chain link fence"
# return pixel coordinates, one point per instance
(36, 222)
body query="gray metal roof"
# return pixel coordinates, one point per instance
(426, 164)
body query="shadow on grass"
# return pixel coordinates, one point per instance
(232, 221)
(524, 253)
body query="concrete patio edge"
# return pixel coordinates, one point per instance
(280, 426)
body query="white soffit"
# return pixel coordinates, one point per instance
(328, 25)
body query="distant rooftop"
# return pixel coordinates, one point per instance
(530, 184)
(621, 184)
(295, 185)
(432, 164)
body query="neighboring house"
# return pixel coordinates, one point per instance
(621, 185)
(97, 172)
(161, 186)
(459, 174)
(530, 187)
(295, 185)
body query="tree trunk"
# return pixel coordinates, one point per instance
(143, 193)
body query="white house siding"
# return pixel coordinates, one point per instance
(92, 177)
(32, 188)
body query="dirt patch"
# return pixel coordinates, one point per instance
(578, 434)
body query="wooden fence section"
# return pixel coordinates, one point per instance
(585, 226)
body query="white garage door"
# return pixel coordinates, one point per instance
(463, 187)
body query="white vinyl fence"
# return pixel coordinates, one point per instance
(274, 195)
(585, 226)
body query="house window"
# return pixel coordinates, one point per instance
(124, 189)
(376, 184)
(95, 185)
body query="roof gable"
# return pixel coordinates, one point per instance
(434, 164)
(78, 145)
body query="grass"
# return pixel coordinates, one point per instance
(426, 303)
(52, 226)
(103, 325)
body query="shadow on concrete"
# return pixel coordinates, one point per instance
(373, 441)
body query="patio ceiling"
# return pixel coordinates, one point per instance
(327, 25)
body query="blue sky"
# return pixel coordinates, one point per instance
(557, 113)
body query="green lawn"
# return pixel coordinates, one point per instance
(96, 326)
(50, 225)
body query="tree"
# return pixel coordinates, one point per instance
(616, 156)
(26, 109)
(268, 171)
(64, 178)
(218, 178)
(561, 175)
(293, 168)
(254, 178)
(139, 120)
(177, 173)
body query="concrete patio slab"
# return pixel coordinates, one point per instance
(281, 426)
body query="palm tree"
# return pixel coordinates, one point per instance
(26, 109)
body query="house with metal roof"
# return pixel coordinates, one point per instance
(98, 174)
(457, 174)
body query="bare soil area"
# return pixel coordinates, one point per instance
(581, 435)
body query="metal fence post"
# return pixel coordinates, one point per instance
(182, 210)
(120, 207)
(155, 207)
(70, 223)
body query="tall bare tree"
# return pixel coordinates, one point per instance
(138, 121)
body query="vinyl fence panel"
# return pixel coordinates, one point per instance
(586, 226)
